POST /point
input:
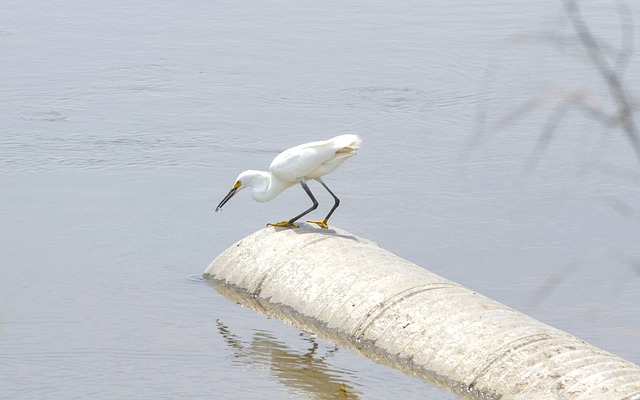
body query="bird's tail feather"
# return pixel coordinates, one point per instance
(351, 147)
(347, 149)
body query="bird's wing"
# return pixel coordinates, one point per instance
(300, 161)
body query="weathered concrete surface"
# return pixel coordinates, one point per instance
(433, 327)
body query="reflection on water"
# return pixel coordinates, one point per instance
(306, 372)
(295, 368)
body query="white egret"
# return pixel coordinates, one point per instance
(297, 165)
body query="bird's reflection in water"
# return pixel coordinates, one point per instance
(305, 371)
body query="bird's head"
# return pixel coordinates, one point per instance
(242, 181)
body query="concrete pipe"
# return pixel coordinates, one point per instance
(354, 293)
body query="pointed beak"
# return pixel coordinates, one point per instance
(228, 197)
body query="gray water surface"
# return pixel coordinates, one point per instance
(123, 124)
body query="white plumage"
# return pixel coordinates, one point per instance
(297, 165)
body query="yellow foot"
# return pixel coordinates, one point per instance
(284, 224)
(322, 224)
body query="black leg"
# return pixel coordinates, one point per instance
(313, 207)
(337, 200)
(323, 223)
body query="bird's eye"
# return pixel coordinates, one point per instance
(237, 185)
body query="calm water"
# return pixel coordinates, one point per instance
(124, 123)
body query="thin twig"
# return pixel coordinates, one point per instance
(610, 76)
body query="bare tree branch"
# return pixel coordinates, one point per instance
(547, 134)
(614, 83)
(628, 38)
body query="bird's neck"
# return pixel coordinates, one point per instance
(267, 186)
